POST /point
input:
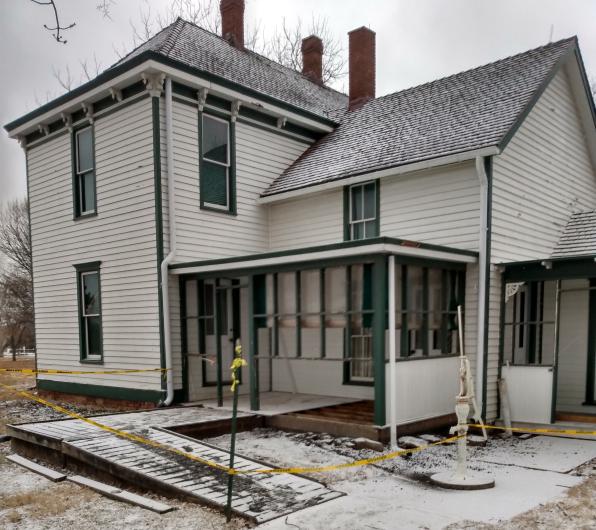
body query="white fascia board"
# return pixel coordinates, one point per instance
(364, 250)
(152, 66)
(230, 94)
(389, 172)
(75, 104)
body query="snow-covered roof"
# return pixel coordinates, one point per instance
(471, 110)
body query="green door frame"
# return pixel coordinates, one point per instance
(591, 364)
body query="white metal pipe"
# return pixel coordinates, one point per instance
(172, 247)
(482, 257)
(392, 359)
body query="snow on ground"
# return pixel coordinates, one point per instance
(397, 492)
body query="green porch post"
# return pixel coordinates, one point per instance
(379, 310)
(252, 346)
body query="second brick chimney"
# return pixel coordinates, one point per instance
(312, 58)
(232, 22)
(362, 66)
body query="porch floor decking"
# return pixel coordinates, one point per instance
(274, 403)
(258, 497)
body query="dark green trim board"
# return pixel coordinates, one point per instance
(111, 392)
(380, 309)
(343, 245)
(183, 337)
(488, 168)
(94, 266)
(158, 230)
(252, 347)
(501, 342)
(346, 196)
(31, 243)
(561, 269)
(591, 364)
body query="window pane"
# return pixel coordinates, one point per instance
(90, 282)
(335, 296)
(215, 140)
(286, 292)
(84, 150)
(370, 229)
(356, 202)
(214, 184)
(93, 336)
(87, 191)
(369, 201)
(358, 231)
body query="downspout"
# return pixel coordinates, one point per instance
(482, 280)
(172, 250)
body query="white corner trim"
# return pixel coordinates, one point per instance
(389, 172)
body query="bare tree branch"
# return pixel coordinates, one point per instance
(58, 28)
(104, 7)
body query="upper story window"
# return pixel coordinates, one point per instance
(84, 172)
(362, 211)
(217, 171)
(89, 294)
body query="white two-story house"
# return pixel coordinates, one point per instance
(197, 193)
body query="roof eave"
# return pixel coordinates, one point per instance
(117, 76)
(453, 158)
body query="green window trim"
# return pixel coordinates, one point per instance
(211, 169)
(84, 179)
(358, 223)
(83, 271)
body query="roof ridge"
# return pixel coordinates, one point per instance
(124, 57)
(503, 59)
(170, 40)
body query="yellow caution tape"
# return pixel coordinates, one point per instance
(536, 431)
(237, 363)
(80, 372)
(225, 469)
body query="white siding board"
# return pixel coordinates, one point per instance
(543, 176)
(121, 236)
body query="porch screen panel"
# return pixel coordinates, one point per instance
(529, 323)
(336, 290)
(310, 312)
(286, 292)
(360, 328)
(192, 317)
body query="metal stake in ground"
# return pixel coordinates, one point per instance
(237, 364)
(461, 478)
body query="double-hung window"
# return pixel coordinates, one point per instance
(363, 217)
(84, 172)
(216, 172)
(89, 300)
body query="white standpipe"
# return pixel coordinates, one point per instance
(172, 247)
(392, 360)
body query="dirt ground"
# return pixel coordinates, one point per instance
(30, 502)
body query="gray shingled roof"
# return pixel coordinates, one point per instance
(199, 48)
(579, 237)
(463, 112)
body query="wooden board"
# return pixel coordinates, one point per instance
(44, 471)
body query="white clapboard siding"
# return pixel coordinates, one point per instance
(439, 206)
(121, 236)
(543, 175)
(313, 220)
(261, 156)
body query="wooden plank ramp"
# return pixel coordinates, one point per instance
(257, 497)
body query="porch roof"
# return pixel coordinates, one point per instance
(346, 249)
(556, 268)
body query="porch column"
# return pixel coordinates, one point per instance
(252, 346)
(379, 309)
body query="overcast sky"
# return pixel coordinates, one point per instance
(417, 41)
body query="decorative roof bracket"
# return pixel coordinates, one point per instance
(236, 104)
(67, 120)
(43, 128)
(88, 110)
(202, 97)
(116, 94)
(154, 83)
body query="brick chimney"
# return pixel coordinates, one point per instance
(232, 22)
(312, 58)
(362, 66)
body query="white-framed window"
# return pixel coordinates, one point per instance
(363, 215)
(84, 169)
(215, 176)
